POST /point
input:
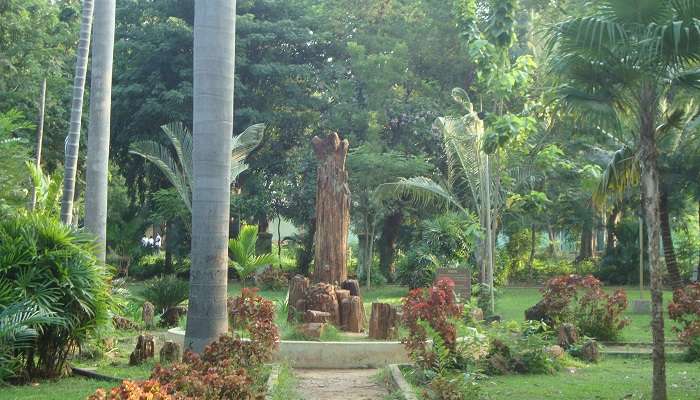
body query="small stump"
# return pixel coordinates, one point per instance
(321, 297)
(590, 351)
(297, 292)
(352, 314)
(148, 315)
(383, 320)
(145, 349)
(312, 329)
(170, 353)
(171, 316)
(568, 336)
(316, 316)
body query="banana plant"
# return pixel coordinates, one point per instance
(174, 159)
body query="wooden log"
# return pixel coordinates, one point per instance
(332, 210)
(342, 295)
(321, 297)
(317, 316)
(354, 320)
(382, 322)
(145, 349)
(297, 291)
(170, 352)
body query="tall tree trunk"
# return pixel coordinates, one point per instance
(98, 129)
(332, 210)
(387, 244)
(72, 145)
(169, 268)
(39, 141)
(586, 250)
(214, 62)
(551, 240)
(650, 199)
(699, 251)
(669, 252)
(531, 258)
(611, 238)
(305, 254)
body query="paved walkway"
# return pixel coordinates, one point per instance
(339, 384)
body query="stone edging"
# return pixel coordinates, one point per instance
(398, 381)
(272, 381)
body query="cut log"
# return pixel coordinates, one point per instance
(321, 297)
(354, 315)
(568, 336)
(145, 349)
(297, 291)
(382, 322)
(170, 353)
(317, 316)
(148, 315)
(332, 210)
(342, 295)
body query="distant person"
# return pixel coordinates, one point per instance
(144, 241)
(150, 241)
(158, 241)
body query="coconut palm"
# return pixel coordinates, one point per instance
(468, 165)
(619, 62)
(242, 252)
(175, 158)
(676, 135)
(76, 114)
(214, 61)
(98, 129)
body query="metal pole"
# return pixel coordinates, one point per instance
(641, 257)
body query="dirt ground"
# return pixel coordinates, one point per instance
(339, 384)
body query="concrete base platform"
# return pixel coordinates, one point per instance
(641, 306)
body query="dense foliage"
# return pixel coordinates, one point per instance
(685, 311)
(50, 270)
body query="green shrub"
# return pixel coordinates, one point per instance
(415, 270)
(51, 266)
(148, 266)
(166, 292)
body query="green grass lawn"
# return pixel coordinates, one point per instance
(614, 379)
(64, 389)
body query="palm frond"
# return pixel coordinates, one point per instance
(242, 145)
(181, 139)
(162, 158)
(422, 191)
(620, 174)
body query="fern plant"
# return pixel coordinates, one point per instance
(242, 253)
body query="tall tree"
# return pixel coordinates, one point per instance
(214, 62)
(76, 114)
(624, 59)
(39, 141)
(99, 127)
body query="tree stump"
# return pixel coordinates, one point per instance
(382, 322)
(568, 336)
(171, 316)
(148, 315)
(590, 352)
(332, 210)
(353, 285)
(321, 297)
(297, 291)
(145, 349)
(317, 316)
(170, 352)
(352, 314)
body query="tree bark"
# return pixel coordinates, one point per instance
(332, 210)
(98, 129)
(214, 62)
(650, 199)
(39, 141)
(387, 244)
(586, 250)
(669, 251)
(76, 114)
(531, 258)
(611, 238)
(699, 229)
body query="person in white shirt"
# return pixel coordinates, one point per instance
(158, 241)
(150, 241)
(144, 241)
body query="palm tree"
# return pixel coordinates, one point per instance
(242, 250)
(98, 129)
(676, 135)
(39, 140)
(468, 165)
(175, 158)
(620, 62)
(76, 114)
(214, 61)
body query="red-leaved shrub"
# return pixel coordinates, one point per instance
(230, 368)
(437, 308)
(685, 310)
(582, 301)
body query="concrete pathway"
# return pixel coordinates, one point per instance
(339, 384)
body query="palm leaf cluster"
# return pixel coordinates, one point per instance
(174, 158)
(51, 270)
(243, 253)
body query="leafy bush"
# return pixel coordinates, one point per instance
(582, 302)
(51, 268)
(685, 311)
(166, 292)
(377, 278)
(271, 278)
(148, 266)
(519, 349)
(415, 270)
(229, 368)
(432, 309)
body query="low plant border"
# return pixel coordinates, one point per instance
(272, 380)
(398, 381)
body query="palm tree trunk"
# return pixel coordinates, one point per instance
(214, 62)
(39, 141)
(610, 228)
(98, 129)
(76, 114)
(667, 239)
(531, 258)
(650, 199)
(387, 243)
